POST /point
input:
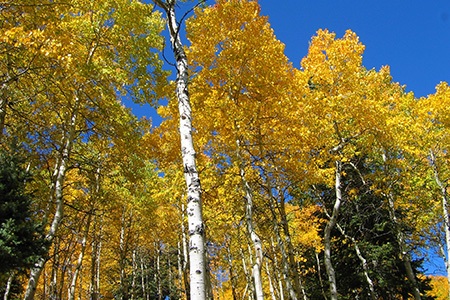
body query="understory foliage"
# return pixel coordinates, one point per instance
(327, 174)
(20, 239)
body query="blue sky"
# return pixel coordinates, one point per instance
(412, 37)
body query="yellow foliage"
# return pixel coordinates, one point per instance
(439, 287)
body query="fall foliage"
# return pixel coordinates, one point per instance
(327, 181)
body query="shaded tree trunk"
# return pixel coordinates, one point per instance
(80, 258)
(56, 197)
(253, 236)
(327, 235)
(404, 256)
(364, 264)
(445, 214)
(94, 285)
(8, 285)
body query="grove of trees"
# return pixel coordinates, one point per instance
(263, 181)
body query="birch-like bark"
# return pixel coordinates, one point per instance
(194, 206)
(57, 196)
(8, 285)
(254, 238)
(364, 264)
(292, 277)
(80, 259)
(185, 255)
(94, 285)
(327, 236)
(126, 221)
(79, 264)
(271, 288)
(249, 285)
(298, 286)
(445, 212)
(319, 273)
(231, 270)
(134, 275)
(401, 239)
(143, 285)
(3, 103)
(284, 256)
(158, 272)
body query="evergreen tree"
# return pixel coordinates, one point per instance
(365, 222)
(20, 234)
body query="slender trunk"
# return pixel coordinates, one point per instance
(404, 256)
(249, 285)
(158, 273)
(171, 280)
(256, 241)
(194, 205)
(327, 235)
(94, 285)
(185, 255)
(124, 248)
(8, 285)
(209, 287)
(180, 270)
(143, 271)
(80, 258)
(284, 258)
(3, 98)
(290, 272)
(271, 288)
(231, 272)
(445, 212)
(98, 256)
(147, 281)
(319, 272)
(57, 195)
(134, 275)
(54, 274)
(298, 286)
(364, 264)
(3, 102)
(276, 268)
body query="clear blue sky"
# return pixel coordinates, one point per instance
(412, 37)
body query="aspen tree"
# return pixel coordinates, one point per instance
(194, 206)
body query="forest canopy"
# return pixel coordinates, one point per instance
(324, 181)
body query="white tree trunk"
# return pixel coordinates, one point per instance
(194, 206)
(363, 262)
(404, 256)
(276, 270)
(80, 259)
(284, 256)
(271, 288)
(445, 212)
(8, 285)
(57, 196)
(327, 236)
(257, 245)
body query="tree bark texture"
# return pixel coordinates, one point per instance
(445, 213)
(194, 206)
(327, 236)
(57, 197)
